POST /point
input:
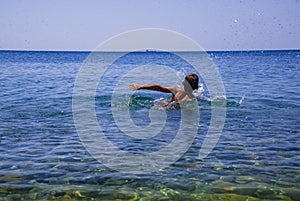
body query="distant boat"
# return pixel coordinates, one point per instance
(149, 50)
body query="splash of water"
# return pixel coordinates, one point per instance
(181, 76)
(242, 99)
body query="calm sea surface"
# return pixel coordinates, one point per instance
(257, 156)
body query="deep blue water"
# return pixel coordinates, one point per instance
(257, 155)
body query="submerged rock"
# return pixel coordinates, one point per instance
(78, 194)
(244, 179)
(220, 186)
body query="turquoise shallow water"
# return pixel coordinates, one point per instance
(256, 158)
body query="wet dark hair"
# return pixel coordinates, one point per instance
(193, 80)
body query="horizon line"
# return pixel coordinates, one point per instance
(147, 50)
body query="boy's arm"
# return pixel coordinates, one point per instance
(153, 87)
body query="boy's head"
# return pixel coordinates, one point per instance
(191, 81)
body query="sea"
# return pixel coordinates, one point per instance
(48, 153)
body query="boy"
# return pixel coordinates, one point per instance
(190, 83)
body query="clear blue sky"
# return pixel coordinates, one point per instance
(214, 24)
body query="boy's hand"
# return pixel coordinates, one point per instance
(134, 86)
